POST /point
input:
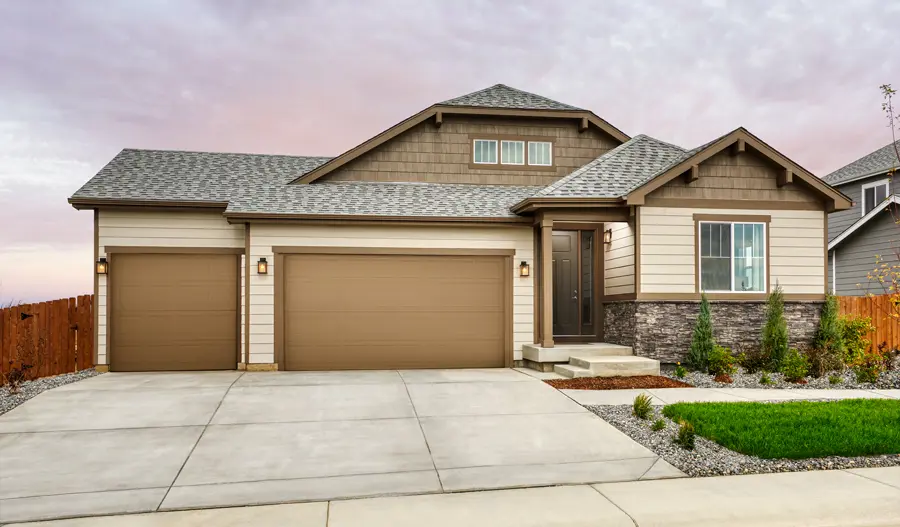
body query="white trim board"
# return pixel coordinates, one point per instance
(862, 221)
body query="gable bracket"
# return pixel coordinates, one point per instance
(438, 119)
(739, 147)
(784, 177)
(584, 125)
(693, 174)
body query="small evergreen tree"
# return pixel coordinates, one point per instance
(828, 346)
(702, 341)
(774, 345)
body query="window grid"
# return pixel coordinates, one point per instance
(484, 151)
(873, 194)
(731, 252)
(540, 153)
(512, 152)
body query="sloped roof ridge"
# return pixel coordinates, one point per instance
(504, 96)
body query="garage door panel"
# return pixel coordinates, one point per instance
(173, 312)
(394, 311)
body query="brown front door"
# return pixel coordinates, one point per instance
(574, 284)
(173, 312)
(395, 311)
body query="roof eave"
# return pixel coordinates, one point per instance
(244, 217)
(97, 203)
(880, 172)
(529, 205)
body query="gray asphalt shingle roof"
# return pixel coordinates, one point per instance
(502, 96)
(877, 162)
(358, 198)
(618, 171)
(165, 175)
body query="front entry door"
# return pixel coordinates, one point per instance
(573, 283)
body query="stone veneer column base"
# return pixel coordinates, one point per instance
(662, 330)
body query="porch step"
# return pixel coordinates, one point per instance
(607, 366)
(562, 352)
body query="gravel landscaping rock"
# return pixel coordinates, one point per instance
(742, 379)
(711, 459)
(30, 389)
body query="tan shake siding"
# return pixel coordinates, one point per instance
(618, 260)
(442, 155)
(158, 229)
(264, 237)
(796, 241)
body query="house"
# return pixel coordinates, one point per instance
(868, 229)
(498, 228)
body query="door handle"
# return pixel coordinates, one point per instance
(575, 295)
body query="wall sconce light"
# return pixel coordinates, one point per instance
(607, 236)
(262, 266)
(524, 269)
(102, 266)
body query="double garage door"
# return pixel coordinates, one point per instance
(333, 311)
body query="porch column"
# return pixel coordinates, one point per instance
(547, 283)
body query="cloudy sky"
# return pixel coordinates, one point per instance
(82, 79)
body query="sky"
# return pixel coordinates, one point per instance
(82, 79)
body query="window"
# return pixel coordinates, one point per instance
(512, 152)
(540, 153)
(732, 257)
(873, 194)
(485, 151)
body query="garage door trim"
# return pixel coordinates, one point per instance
(281, 251)
(112, 250)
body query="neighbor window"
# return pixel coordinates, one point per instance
(512, 152)
(485, 151)
(873, 194)
(732, 257)
(540, 153)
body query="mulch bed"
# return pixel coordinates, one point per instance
(616, 383)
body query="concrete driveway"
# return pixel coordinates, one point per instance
(134, 442)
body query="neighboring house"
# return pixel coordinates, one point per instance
(482, 226)
(859, 235)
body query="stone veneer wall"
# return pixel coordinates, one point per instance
(662, 330)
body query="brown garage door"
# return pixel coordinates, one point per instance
(173, 312)
(367, 311)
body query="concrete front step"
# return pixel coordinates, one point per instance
(562, 352)
(607, 366)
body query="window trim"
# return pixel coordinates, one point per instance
(499, 165)
(524, 152)
(528, 155)
(496, 151)
(732, 219)
(862, 194)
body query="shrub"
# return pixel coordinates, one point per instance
(686, 435)
(854, 330)
(873, 363)
(702, 341)
(794, 366)
(642, 408)
(828, 346)
(835, 379)
(13, 379)
(680, 371)
(658, 425)
(774, 345)
(721, 361)
(765, 380)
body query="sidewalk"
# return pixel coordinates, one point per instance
(662, 396)
(863, 497)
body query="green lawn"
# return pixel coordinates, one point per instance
(797, 430)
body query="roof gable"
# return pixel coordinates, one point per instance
(503, 96)
(879, 161)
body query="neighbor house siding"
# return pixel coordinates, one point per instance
(840, 220)
(856, 255)
(263, 237)
(157, 229)
(668, 256)
(618, 260)
(426, 153)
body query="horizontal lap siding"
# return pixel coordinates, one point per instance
(158, 229)
(668, 259)
(856, 255)
(618, 260)
(264, 237)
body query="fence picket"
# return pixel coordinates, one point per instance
(878, 309)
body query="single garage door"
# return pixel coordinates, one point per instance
(173, 312)
(377, 311)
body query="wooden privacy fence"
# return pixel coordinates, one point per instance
(54, 337)
(879, 309)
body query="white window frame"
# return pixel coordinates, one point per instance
(528, 157)
(862, 195)
(524, 151)
(496, 150)
(732, 257)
